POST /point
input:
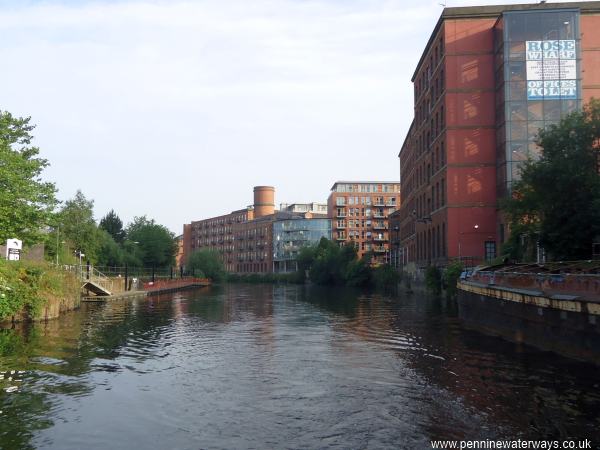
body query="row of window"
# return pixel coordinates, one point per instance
(436, 54)
(425, 205)
(366, 187)
(431, 243)
(343, 201)
(218, 221)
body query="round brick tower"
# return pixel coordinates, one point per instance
(264, 201)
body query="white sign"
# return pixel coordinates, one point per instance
(551, 69)
(13, 249)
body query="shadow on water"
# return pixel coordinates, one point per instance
(529, 393)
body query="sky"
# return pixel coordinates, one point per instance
(176, 109)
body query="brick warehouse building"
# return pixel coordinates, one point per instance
(244, 238)
(359, 211)
(488, 79)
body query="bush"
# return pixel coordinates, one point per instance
(450, 277)
(25, 287)
(386, 277)
(433, 279)
(209, 263)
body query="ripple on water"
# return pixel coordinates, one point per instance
(288, 367)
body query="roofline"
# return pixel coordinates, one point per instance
(362, 182)
(412, 124)
(469, 12)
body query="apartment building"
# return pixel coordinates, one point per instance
(244, 238)
(359, 212)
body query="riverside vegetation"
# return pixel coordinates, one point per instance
(31, 291)
(326, 263)
(30, 211)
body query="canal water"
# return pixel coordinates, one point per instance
(263, 366)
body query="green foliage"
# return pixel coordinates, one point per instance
(26, 202)
(450, 277)
(330, 264)
(557, 200)
(305, 257)
(156, 244)
(109, 252)
(77, 226)
(208, 262)
(25, 287)
(112, 224)
(357, 273)
(433, 279)
(386, 277)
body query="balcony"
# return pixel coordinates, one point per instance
(378, 203)
(340, 226)
(379, 238)
(380, 227)
(340, 214)
(379, 215)
(379, 249)
(340, 238)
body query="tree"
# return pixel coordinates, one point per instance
(208, 262)
(109, 252)
(77, 225)
(112, 224)
(26, 202)
(557, 199)
(157, 245)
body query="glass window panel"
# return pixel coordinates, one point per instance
(533, 26)
(516, 170)
(516, 90)
(516, 27)
(549, 26)
(518, 131)
(533, 128)
(568, 106)
(516, 71)
(552, 110)
(516, 51)
(518, 151)
(566, 25)
(518, 110)
(536, 110)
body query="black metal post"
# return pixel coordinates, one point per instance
(180, 271)
(171, 277)
(87, 270)
(153, 273)
(126, 273)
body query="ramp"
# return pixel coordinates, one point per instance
(95, 288)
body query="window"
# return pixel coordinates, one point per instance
(490, 250)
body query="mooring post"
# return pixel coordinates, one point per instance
(87, 270)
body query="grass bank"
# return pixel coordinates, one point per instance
(35, 291)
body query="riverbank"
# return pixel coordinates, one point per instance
(561, 323)
(33, 291)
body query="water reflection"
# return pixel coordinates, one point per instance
(272, 366)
